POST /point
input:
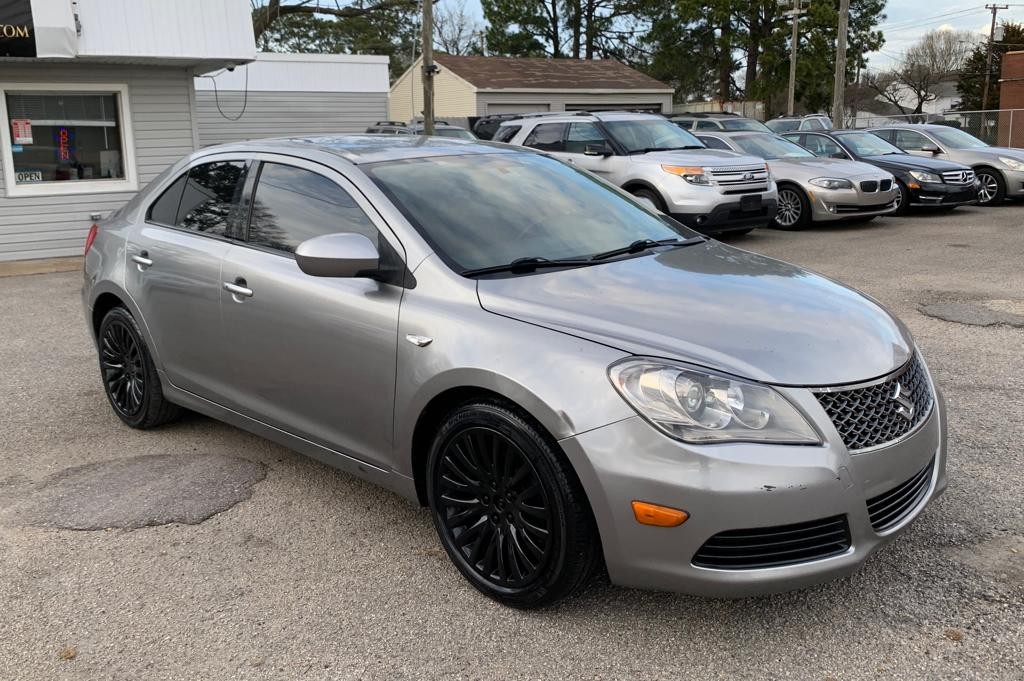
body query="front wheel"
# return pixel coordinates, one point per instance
(902, 199)
(992, 187)
(508, 508)
(794, 210)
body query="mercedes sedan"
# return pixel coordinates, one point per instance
(563, 376)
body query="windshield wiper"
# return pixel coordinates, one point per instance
(523, 265)
(650, 149)
(641, 245)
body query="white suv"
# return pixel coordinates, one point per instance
(652, 158)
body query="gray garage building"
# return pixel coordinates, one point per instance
(467, 87)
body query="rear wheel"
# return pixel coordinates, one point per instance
(508, 508)
(992, 187)
(130, 380)
(794, 210)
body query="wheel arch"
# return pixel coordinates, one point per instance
(644, 184)
(106, 296)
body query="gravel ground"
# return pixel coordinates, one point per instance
(319, 575)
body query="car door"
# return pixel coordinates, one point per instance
(173, 271)
(583, 134)
(313, 356)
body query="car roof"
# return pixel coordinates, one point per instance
(569, 116)
(913, 126)
(364, 148)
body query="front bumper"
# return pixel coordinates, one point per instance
(941, 194)
(1014, 182)
(729, 487)
(730, 217)
(840, 204)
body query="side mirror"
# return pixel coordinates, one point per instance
(838, 154)
(597, 150)
(930, 149)
(337, 255)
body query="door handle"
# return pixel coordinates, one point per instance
(142, 260)
(238, 289)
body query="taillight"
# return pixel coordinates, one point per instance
(91, 237)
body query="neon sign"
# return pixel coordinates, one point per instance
(64, 143)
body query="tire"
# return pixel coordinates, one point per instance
(793, 208)
(993, 187)
(903, 199)
(130, 380)
(508, 508)
(652, 196)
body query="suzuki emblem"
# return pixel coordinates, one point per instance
(906, 408)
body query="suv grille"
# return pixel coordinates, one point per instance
(890, 508)
(958, 177)
(765, 547)
(882, 412)
(740, 176)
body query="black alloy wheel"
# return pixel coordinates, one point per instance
(130, 380)
(508, 508)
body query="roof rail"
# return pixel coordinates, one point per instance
(395, 123)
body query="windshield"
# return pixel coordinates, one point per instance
(770, 146)
(454, 132)
(650, 134)
(868, 144)
(484, 210)
(956, 139)
(744, 124)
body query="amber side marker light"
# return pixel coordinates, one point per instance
(658, 516)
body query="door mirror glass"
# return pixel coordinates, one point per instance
(597, 150)
(338, 255)
(930, 148)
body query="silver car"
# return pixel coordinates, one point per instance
(999, 170)
(652, 158)
(564, 377)
(814, 189)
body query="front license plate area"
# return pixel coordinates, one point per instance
(751, 203)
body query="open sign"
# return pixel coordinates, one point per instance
(24, 176)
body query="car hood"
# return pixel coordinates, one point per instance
(718, 307)
(805, 168)
(911, 162)
(699, 157)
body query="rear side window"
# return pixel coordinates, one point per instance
(211, 196)
(507, 132)
(707, 125)
(547, 137)
(164, 211)
(294, 204)
(813, 124)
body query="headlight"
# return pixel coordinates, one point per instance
(700, 407)
(771, 175)
(922, 176)
(1012, 163)
(692, 174)
(831, 183)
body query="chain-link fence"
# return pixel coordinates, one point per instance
(999, 127)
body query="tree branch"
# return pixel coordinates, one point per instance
(264, 17)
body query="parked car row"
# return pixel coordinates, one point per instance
(441, 129)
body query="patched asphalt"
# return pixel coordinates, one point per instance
(309, 573)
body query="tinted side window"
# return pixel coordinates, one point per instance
(164, 210)
(706, 125)
(911, 141)
(547, 137)
(582, 135)
(506, 132)
(714, 143)
(885, 134)
(822, 146)
(293, 204)
(210, 197)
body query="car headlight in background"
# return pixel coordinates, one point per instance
(697, 406)
(831, 183)
(1011, 163)
(692, 174)
(922, 176)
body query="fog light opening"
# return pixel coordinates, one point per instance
(658, 516)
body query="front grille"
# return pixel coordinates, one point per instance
(743, 175)
(766, 547)
(869, 186)
(885, 185)
(958, 177)
(878, 414)
(890, 508)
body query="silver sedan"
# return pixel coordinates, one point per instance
(814, 189)
(563, 377)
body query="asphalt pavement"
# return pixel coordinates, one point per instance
(248, 561)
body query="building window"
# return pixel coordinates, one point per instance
(65, 141)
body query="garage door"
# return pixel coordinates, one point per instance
(598, 106)
(493, 108)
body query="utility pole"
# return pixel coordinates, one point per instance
(839, 87)
(429, 67)
(796, 12)
(988, 61)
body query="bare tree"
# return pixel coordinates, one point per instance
(913, 82)
(266, 12)
(456, 31)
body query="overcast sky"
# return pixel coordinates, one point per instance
(906, 21)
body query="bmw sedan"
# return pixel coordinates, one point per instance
(565, 378)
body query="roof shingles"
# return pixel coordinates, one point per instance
(498, 73)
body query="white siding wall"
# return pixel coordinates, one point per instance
(560, 101)
(278, 114)
(453, 97)
(159, 100)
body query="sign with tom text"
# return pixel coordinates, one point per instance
(17, 31)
